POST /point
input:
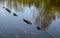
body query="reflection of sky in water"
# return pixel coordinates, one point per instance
(54, 28)
(14, 27)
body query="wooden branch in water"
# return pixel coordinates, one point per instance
(38, 28)
(28, 22)
(7, 9)
(15, 14)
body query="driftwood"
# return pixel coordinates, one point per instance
(28, 22)
(38, 28)
(15, 14)
(7, 9)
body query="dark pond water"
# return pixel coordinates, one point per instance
(14, 27)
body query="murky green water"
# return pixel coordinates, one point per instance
(14, 27)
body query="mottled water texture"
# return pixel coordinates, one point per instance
(43, 17)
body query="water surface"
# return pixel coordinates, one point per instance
(14, 27)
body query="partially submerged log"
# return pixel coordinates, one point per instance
(28, 22)
(38, 28)
(7, 9)
(15, 14)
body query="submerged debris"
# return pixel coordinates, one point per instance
(38, 28)
(7, 9)
(15, 14)
(27, 21)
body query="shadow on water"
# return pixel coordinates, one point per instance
(42, 20)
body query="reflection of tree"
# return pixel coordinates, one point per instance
(2, 1)
(48, 16)
(55, 3)
(29, 2)
(45, 15)
(13, 3)
(49, 13)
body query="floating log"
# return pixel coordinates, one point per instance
(7, 9)
(38, 28)
(28, 22)
(15, 14)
